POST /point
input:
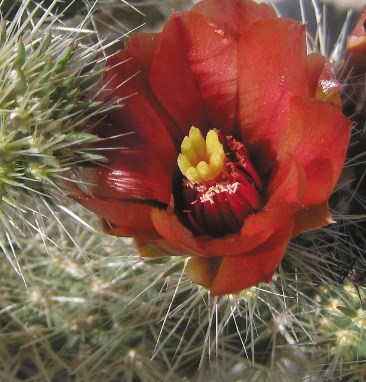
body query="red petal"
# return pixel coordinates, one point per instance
(194, 73)
(235, 273)
(272, 68)
(160, 248)
(202, 270)
(169, 227)
(286, 190)
(285, 193)
(318, 138)
(356, 46)
(172, 230)
(130, 175)
(235, 16)
(323, 83)
(311, 217)
(144, 128)
(145, 169)
(257, 229)
(127, 75)
(136, 58)
(121, 218)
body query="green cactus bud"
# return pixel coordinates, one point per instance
(90, 156)
(81, 137)
(65, 56)
(89, 81)
(21, 81)
(45, 43)
(20, 58)
(2, 34)
(46, 72)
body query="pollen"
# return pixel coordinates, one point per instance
(201, 160)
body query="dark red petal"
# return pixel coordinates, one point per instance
(130, 175)
(235, 16)
(121, 218)
(144, 170)
(127, 74)
(272, 68)
(311, 217)
(144, 167)
(131, 66)
(194, 73)
(323, 84)
(235, 273)
(318, 138)
(127, 77)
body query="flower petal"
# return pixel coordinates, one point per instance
(318, 138)
(130, 175)
(272, 68)
(235, 273)
(137, 125)
(127, 75)
(131, 66)
(121, 218)
(194, 73)
(311, 217)
(356, 46)
(142, 170)
(234, 17)
(286, 190)
(323, 84)
(170, 228)
(202, 270)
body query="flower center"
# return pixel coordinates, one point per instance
(201, 160)
(221, 186)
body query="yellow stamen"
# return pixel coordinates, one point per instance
(201, 159)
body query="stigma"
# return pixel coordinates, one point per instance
(220, 185)
(201, 160)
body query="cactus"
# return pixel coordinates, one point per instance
(47, 110)
(92, 309)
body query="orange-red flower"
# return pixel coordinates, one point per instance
(355, 55)
(236, 142)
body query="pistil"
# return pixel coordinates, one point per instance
(201, 160)
(221, 186)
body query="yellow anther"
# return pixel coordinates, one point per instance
(201, 159)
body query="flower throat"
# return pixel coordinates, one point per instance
(220, 186)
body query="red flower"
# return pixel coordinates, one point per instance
(353, 68)
(355, 56)
(275, 146)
